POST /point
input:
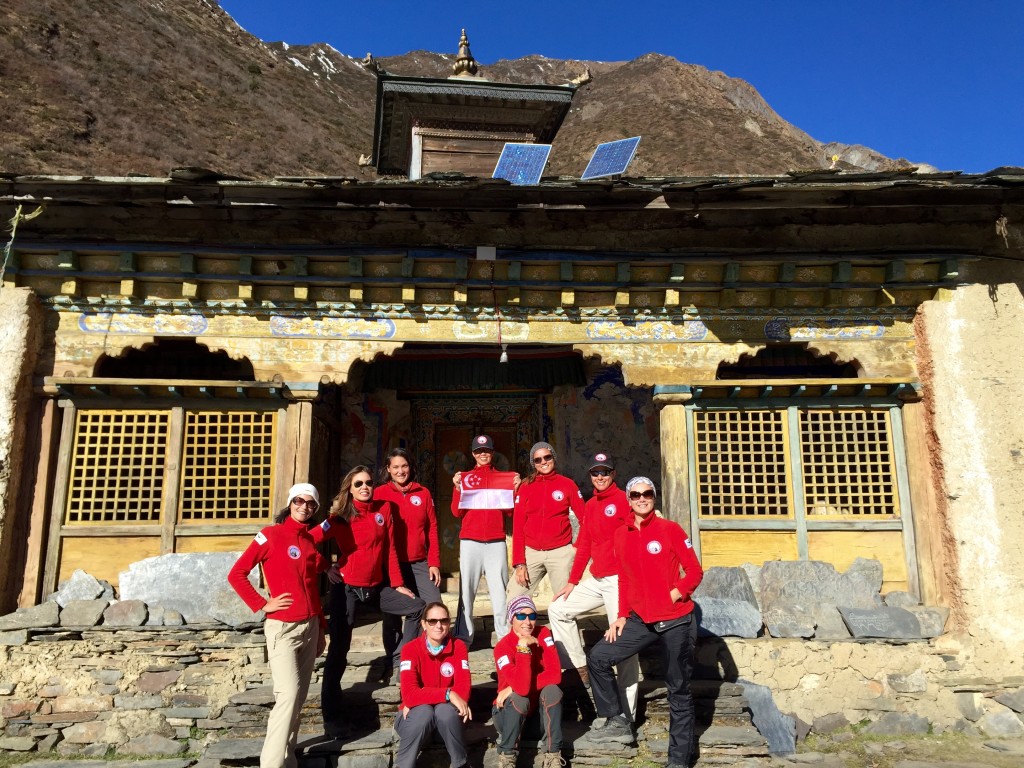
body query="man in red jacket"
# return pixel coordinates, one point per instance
(658, 573)
(603, 515)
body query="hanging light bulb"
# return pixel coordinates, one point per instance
(504, 354)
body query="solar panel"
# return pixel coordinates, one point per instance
(522, 164)
(611, 158)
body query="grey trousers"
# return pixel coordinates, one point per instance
(515, 718)
(417, 727)
(476, 559)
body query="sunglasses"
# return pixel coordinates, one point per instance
(543, 459)
(601, 472)
(648, 494)
(361, 483)
(525, 616)
(307, 503)
(443, 622)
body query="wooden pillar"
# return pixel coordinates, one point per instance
(293, 466)
(674, 488)
(936, 568)
(39, 515)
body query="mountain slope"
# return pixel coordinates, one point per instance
(142, 86)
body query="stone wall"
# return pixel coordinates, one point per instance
(21, 328)
(973, 380)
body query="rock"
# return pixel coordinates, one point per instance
(803, 729)
(84, 733)
(778, 729)
(46, 744)
(915, 682)
(896, 623)
(152, 744)
(234, 749)
(830, 723)
(38, 616)
(106, 676)
(898, 723)
(142, 701)
(721, 617)
(173, 618)
(154, 682)
(18, 708)
(970, 704)
(264, 695)
(900, 599)
(17, 743)
(932, 620)
(82, 704)
(189, 583)
(788, 620)
(125, 613)
(14, 637)
(82, 613)
(155, 617)
(1001, 724)
(81, 586)
(868, 572)
(726, 584)
(1012, 699)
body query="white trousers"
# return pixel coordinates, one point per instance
(291, 653)
(589, 595)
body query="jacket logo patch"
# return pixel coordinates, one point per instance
(293, 552)
(465, 664)
(416, 501)
(610, 510)
(557, 495)
(405, 666)
(579, 493)
(549, 641)
(379, 518)
(502, 662)
(261, 539)
(325, 526)
(447, 669)
(689, 544)
(654, 547)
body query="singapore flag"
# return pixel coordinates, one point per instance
(487, 490)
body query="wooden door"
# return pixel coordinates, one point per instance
(451, 447)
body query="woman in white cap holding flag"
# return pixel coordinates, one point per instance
(294, 626)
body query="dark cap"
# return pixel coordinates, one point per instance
(482, 442)
(601, 459)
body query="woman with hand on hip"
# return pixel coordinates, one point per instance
(415, 530)
(658, 574)
(294, 627)
(367, 573)
(434, 679)
(529, 696)
(541, 531)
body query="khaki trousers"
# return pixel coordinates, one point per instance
(291, 653)
(556, 563)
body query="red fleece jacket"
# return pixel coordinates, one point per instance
(541, 517)
(415, 523)
(603, 515)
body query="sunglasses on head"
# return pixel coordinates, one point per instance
(525, 616)
(361, 483)
(307, 503)
(648, 494)
(600, 472)
(543, 459)
(443, 622)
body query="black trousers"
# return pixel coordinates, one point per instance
(343, 616)
(417, 578)
(677, 644)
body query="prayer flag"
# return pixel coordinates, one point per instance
(488, 490)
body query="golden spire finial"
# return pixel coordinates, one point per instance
(465, 64)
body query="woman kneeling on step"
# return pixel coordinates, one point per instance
(434, 679)
(529, 698)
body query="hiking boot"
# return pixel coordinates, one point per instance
(552, 760)
(584, 675)
(507, 760)
(614, 729)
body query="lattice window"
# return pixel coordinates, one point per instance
(848, 466)
(741, 463)
(227, 464)
(117, 467)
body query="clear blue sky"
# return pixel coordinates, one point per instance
(935, 81)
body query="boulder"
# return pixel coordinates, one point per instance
(896, 723)
(891, 623)
(152, 744)
(38, 616)
(728, 618)
(779, 730)
(81, 586)
(726, 584)
(195, 584)
(82, 613)
(931, 618)
(125, 613)
(1012, 699)
(1001, 724)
